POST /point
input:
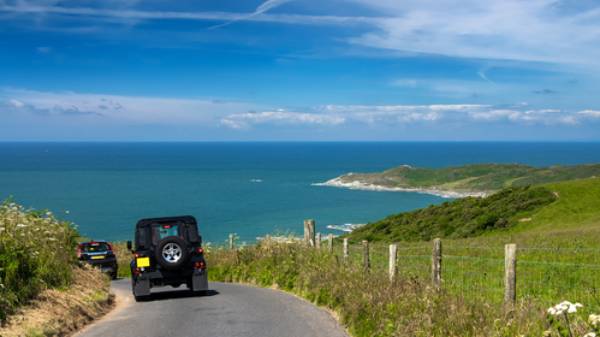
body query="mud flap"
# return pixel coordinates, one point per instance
(141, 287)
(200, 281)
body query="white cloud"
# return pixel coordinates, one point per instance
(136, 109)
(533, 30)
(247, 119)
(16, 103)
(261, 9)
(589, 113)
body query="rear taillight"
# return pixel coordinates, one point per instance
(199, 265)
(199, 250)
(109, 246)
(79, 251)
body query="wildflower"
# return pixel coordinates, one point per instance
(594, 320)
(590, 334)
(564, 307)
(21, 225)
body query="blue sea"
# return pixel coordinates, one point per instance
(251, 189)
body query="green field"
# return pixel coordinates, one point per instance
(472, 178)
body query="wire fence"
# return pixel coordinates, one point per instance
(547, 275)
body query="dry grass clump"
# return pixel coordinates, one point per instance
(366, 302)
(57, 312)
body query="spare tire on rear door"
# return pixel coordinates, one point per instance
(171, 252)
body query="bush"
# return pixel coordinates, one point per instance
(460, 218)
(37, 251)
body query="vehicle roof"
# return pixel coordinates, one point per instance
(184, 218)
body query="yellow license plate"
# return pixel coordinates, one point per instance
(97, 257)
(143, 262)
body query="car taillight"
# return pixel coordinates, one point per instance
(199, 250)
(78, 251)
(109, 246)
(200, 265)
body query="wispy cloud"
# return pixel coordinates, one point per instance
(263, 8)
(536, 30)
(492, 29)
(118, 108)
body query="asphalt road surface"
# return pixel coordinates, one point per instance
(228, 310)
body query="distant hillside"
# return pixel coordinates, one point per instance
(547, 207)
(468, 180)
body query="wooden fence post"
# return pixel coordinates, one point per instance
(436, 264)
(346, 254)
(309, 232)
(510, 275)
(330, 243)
(392, 261)
(318, 241)
(366, 260)
(231, 242)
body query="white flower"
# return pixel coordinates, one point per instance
(564, 306)
(21, 225)
(594, 320)
(590, 334)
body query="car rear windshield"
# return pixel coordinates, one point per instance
(164, 230)
(92, 247)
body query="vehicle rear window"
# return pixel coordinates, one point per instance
(164, 230)
(94, 247)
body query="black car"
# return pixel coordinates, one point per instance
(99, 254)
(168, 251)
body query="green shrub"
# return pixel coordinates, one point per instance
(37, 252)
(460, 218)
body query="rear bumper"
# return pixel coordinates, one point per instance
(106, 265)
(197, 280)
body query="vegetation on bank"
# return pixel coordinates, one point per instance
(472, 178)
(63, 311)
(369, 305)
(556, 206)
(37, 252)
(459, 218)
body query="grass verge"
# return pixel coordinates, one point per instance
(60, 312)
(366, 302)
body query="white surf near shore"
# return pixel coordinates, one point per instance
(359, 185)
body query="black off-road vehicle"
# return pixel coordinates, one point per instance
(168, 251)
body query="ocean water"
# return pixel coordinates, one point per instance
(251, 189)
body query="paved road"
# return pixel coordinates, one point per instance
(229, 310)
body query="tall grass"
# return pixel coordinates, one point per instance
(37, 251)
(366, 302)
(469, 304)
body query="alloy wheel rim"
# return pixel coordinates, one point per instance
(171, 252)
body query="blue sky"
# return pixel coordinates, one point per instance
(299, 70)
